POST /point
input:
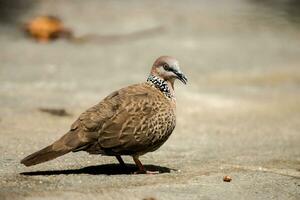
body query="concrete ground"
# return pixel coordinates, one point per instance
(238, 116)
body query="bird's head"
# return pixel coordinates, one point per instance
(167, 68)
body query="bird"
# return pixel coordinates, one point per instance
(131, 121)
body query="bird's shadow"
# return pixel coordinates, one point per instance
(107, 169)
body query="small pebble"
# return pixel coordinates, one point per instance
(227, 178)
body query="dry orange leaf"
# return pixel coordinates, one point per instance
(45, 28)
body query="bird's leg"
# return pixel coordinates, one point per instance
(139, 165)
(142, 169)
(122, 163)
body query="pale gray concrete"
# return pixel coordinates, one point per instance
(238, 116)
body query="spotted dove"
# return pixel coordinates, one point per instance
(131, 121)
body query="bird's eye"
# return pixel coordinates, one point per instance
(166, 67)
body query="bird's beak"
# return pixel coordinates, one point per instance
(180, 76)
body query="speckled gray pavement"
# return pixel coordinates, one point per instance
(238, 116)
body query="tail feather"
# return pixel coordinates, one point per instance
(71, 141)
(65, 144)
(46, 154)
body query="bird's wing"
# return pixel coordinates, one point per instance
(123, 132)
(114, 120)
(92, 119)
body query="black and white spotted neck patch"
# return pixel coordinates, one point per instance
(160, 84)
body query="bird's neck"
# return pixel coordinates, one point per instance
(165, 87)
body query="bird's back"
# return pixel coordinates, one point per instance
(131, 121)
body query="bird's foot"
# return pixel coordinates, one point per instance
(146, 172)
(142, 169)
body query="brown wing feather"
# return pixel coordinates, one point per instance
(119, 130)
(126, 122)
(138, 125)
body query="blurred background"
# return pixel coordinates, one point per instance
(240, 108)
(239, 46)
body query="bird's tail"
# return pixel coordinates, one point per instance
(43, 155)
(65, 144)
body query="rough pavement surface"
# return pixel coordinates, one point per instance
(238, 116)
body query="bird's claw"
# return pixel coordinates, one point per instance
(146, 172)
